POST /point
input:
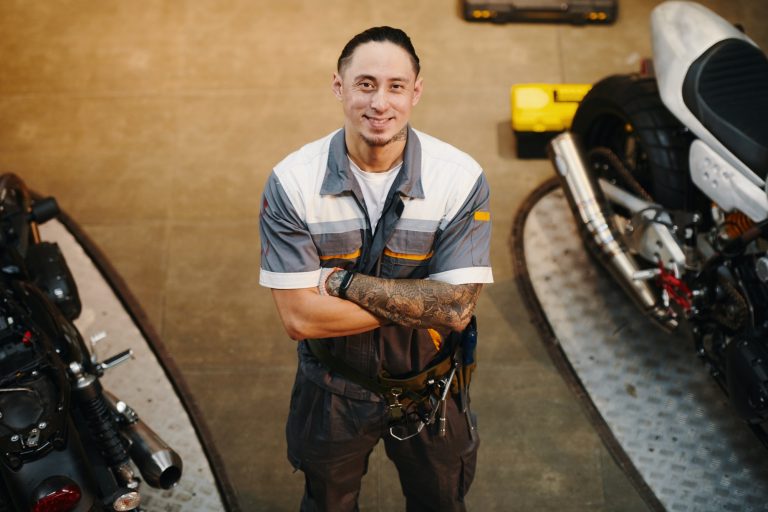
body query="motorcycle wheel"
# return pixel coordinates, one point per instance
(624, 114)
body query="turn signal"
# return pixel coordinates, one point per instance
(60, 500)
(128, 501)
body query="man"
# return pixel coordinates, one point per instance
(375, 243)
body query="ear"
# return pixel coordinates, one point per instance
(418, 87)
(336, 86)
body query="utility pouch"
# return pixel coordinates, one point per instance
(467, 350)
(464, 377)
(414, 394)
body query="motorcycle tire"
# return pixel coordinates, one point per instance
(624, 114)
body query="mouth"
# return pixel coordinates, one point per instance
(378, 122)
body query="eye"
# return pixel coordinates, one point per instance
(365, 85)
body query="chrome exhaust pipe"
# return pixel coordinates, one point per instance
(158, 463)
(589, 207)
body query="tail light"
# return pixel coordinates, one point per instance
(63, 499)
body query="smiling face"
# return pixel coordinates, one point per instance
(378, 88)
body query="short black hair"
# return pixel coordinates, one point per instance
(380, 35)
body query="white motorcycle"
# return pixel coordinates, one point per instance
(666, 177)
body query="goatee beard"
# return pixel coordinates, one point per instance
(381, 141)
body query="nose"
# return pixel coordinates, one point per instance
(379, 100)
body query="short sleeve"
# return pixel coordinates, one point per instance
(462, 251)
(289, 257)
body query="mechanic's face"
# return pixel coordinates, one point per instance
(378, 88)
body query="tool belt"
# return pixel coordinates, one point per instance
(413, 394)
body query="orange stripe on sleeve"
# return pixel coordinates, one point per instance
(349, 256)
(482, 216)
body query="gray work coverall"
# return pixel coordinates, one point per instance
(436, 225)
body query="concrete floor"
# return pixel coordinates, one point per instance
(156, 123)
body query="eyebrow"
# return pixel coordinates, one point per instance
(373, 78)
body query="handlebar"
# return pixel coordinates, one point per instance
(44, 210)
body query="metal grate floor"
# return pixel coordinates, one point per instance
(669, 416)
(141, 383)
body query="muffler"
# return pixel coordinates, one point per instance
(158, 463)
(590, 208)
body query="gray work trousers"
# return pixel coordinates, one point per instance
(330, 438)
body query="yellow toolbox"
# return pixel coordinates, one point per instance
(541, 111)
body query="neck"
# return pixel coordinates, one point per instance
(375, 158)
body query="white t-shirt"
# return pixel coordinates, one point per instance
(375, 187)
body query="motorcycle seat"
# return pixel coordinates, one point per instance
(726, 88)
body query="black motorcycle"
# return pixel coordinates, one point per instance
(66, 444)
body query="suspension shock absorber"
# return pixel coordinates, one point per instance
(97, 413)
(736, 224)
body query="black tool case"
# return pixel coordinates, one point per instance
(578, 12)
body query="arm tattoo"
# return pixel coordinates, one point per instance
(418, 303)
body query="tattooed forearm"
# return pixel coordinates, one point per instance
(412, 302)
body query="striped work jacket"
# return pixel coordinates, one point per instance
(435, 225)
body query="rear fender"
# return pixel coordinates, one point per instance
(681, 32)
(70, 462)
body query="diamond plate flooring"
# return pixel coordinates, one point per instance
(658, 400)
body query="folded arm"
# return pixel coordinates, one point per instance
(307, 314)
(419, 303)
(373, 302)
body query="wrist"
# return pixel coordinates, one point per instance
(346, 280)
(333, 282)
(324, 286)
(338, 283)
